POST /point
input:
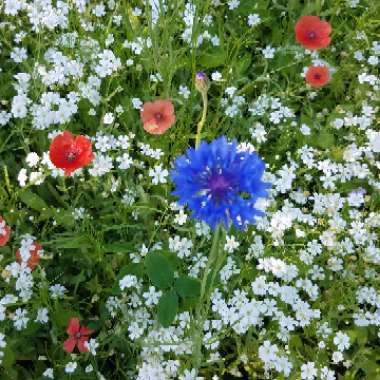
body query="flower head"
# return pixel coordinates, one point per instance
(158, 116)
(312, 32)
(33, 259)
(5, 232)
(220, 183)
(70, 152)
(78, 336)
(317, 76)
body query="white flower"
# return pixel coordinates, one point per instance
(373, 60)
(3, 343)
(190, 375)
(108, 118)
(36, 178)
(337, 357)
(48, 373)
(125, 161)
(374, 140)
(128, 281)
(137, 103)
(308, 371)
(342, 341)
(152, 296)
(102, 164)
(57, 291)
(71, 367)
(305, 130)
(216, 76)
(42, 315)
(19, 54)
(231, 244)
(19, 105)
(268, 352)
(268, 52)
(32, 159)
(92, 345)
(233, 4)
(254, 19)
(20, 320)
(22, 177)
(184, 91)
(158, 174)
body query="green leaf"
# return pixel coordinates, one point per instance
(32, 200)
(325, 140)
(167, 308)
(187, 287)
(80, 241)
(9, 358)
(159, 270)
(62, 315)
(212, 60)
(118, 247)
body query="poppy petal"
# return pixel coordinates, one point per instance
(69, 344)
(73, 327)
(85, 330)
(81, 344)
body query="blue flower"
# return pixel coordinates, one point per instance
(220, 183)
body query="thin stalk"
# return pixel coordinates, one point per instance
(202, 311)
(203, 119)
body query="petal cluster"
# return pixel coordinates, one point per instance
(157, 117)
(219, 183)
(70, 152)
(312, 32)
(5, 232)
(78, 336)
(33, 257)
(317, 76)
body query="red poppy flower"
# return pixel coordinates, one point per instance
(5, 232)
(158, 116)
(312, 32)
(78, 336)
(70, 152)
(34, 258)
(317, 76)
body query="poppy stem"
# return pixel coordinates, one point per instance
(203, 119)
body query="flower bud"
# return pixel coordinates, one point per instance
(202, 83)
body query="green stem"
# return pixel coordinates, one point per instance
(203, 119)
(202, 311)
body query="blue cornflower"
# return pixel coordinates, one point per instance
(220, 183)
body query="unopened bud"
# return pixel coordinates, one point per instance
(202, 83)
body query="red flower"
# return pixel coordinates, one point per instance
(5, 232)
(70, 152)
(78, 336)
(34, 258)
(158, 116)
(317, 76)
(312, 32)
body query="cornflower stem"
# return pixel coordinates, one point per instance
(203, 119)
(213, 263)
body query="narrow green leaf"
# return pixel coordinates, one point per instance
(32, 200)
